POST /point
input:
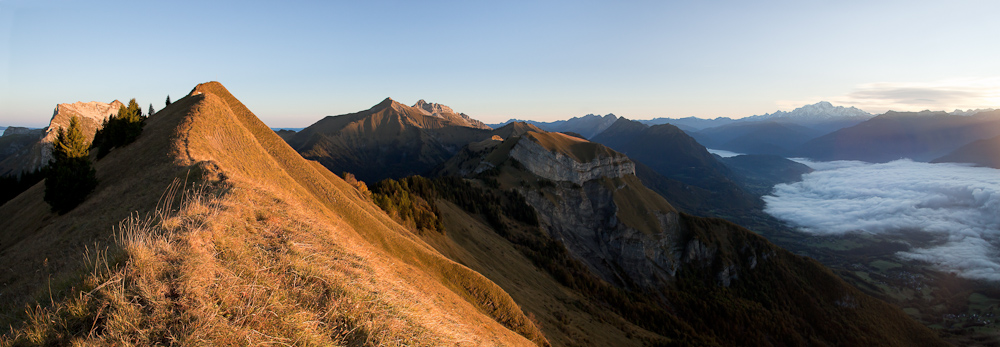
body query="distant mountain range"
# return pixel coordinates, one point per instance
(586, 126)
(822, 131)
(980, 152)
(920, 136)
(522, 237)
(391, 140)
(822, 116)
(763, 137)
(673, 155)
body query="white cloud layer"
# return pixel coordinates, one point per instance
(944, 95)
(958, 204)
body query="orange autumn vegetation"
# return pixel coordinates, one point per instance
(262, 247)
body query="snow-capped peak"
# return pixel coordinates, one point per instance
(818, 111)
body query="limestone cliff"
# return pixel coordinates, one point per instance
(445, 112)
(557, 165)
(91, 116)
(588, 197)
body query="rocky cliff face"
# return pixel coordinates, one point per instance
(432, 108)
(91, 116)
(586, 220)
(606, 218)
(442, 111)
(557, 166)
(20, 131)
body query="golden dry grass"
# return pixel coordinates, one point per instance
(219, 273)
(282, 252)
(579, 149)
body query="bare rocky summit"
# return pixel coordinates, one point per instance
(442, 111)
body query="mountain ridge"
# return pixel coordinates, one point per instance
(920, 136)
(259, 192)
(634, 240)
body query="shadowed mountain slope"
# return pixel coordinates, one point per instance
(392, 140)
(981, 152)
(587, 126)
(760, 173)
(17, 139)
(267, 248)
(388, 140)
(920, 136)
(768, 137)
(672, 277)
(674, 155)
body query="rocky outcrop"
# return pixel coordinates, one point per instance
(432, 108)
(20, 131)
(91, 116)
(558, 166)
(586, 221)
(445, 112)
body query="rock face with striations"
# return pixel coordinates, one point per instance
(91, 116)
(600, 211)
(552, 164)
(442, 111)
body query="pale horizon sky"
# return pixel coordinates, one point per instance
(293, 64)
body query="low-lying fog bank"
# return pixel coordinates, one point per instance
(958, 205)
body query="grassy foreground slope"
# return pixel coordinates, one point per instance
(262, 247)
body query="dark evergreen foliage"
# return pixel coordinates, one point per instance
(70, 177)
(410, 201)
(168, 101)
(13, 185)
(119, 129)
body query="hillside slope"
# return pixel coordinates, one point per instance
(673, 154)
(767, 137)
(268, 248)
(981, 152)
(587, 126)
(392, 140)
(920, 136)
(388, 140)
(640, 271)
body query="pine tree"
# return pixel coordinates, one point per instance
(71, 176)
(150, 110)
(119, 129)
(168, 101)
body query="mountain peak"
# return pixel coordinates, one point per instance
(823, 110)
(432, 108)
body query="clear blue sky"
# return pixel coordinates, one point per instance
(543, 60)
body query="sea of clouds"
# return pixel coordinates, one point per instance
(723, 153)
(956, 204)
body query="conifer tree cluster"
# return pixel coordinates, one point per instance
(119, 129)
(71, 176)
